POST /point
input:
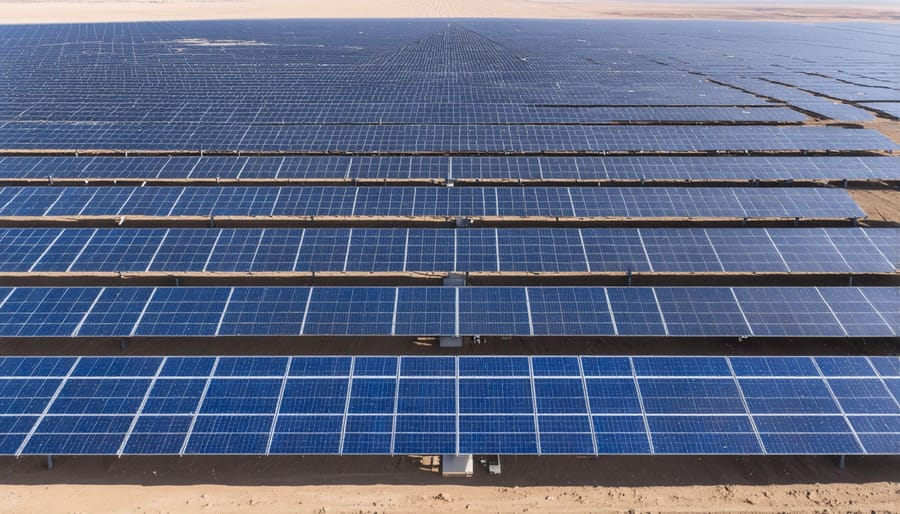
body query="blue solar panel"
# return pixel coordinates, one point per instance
(743, 250)
(112, 250)
(259, 311)
(433, 311)
(515, 405)
(184, 250)
(787, 312)
(60, 254)
(709, 311)
(680, 250)
(884, 300)
(114, 313)
(186, 311)
(635, 311)
(349, 311)
(585, 168)
(430, 201)
(837, 250)
(44, 311)
(493, 311)
(20, 249)
(425, 311)
(572, 311)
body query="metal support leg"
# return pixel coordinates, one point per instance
(49, 461)
(841, 461)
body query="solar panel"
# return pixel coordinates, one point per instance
(432, 201)
(432, 311)
(380, 405)
(516, 136)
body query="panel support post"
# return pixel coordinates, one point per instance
(841, 461)
(49, 461)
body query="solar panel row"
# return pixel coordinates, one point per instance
(585, 405)
(525, 168)
(457, 114)
(449, 311)
(15, 135)
(429, 201)
(448, 250)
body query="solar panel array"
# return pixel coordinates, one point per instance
(448, 311)
(547, 250)
(428, 201)
(453, 168)
(568, 405)
(307, 135)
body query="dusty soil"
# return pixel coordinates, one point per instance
(31, 11)
(404, 484)
(878, 204)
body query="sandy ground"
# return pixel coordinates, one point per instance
(406, 484)
(31, 11)
(879, 204)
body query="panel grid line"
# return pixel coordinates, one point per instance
(140, 409)
(644, 248)
(456, 402)
(740, 391)
(346, 406)
(347, 252)
(868, 301)
(46, 250)
(47, 408)
(284, 379)
(587, 260)
(837, 250)
(396, 405)
(883, 383)
(587, 406)
(715, 252)
(612, 315)
(640, 397)
(190, 430)
(819, 293)
(81, 252)
(777, 250)
(8, 295)
(140, 317)
(156, 252)
(394, 311)
(837, 403)
(224, 311)
(212, 250)
(534, 407)
(306, 311)
(662, 315)
(87, 312)
(299, 247)
(741, 310)
(528, 310)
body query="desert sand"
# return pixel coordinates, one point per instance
(38, 11)
(404, 484)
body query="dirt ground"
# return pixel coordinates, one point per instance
(38, 11)
(878, 204)
(404, 484)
